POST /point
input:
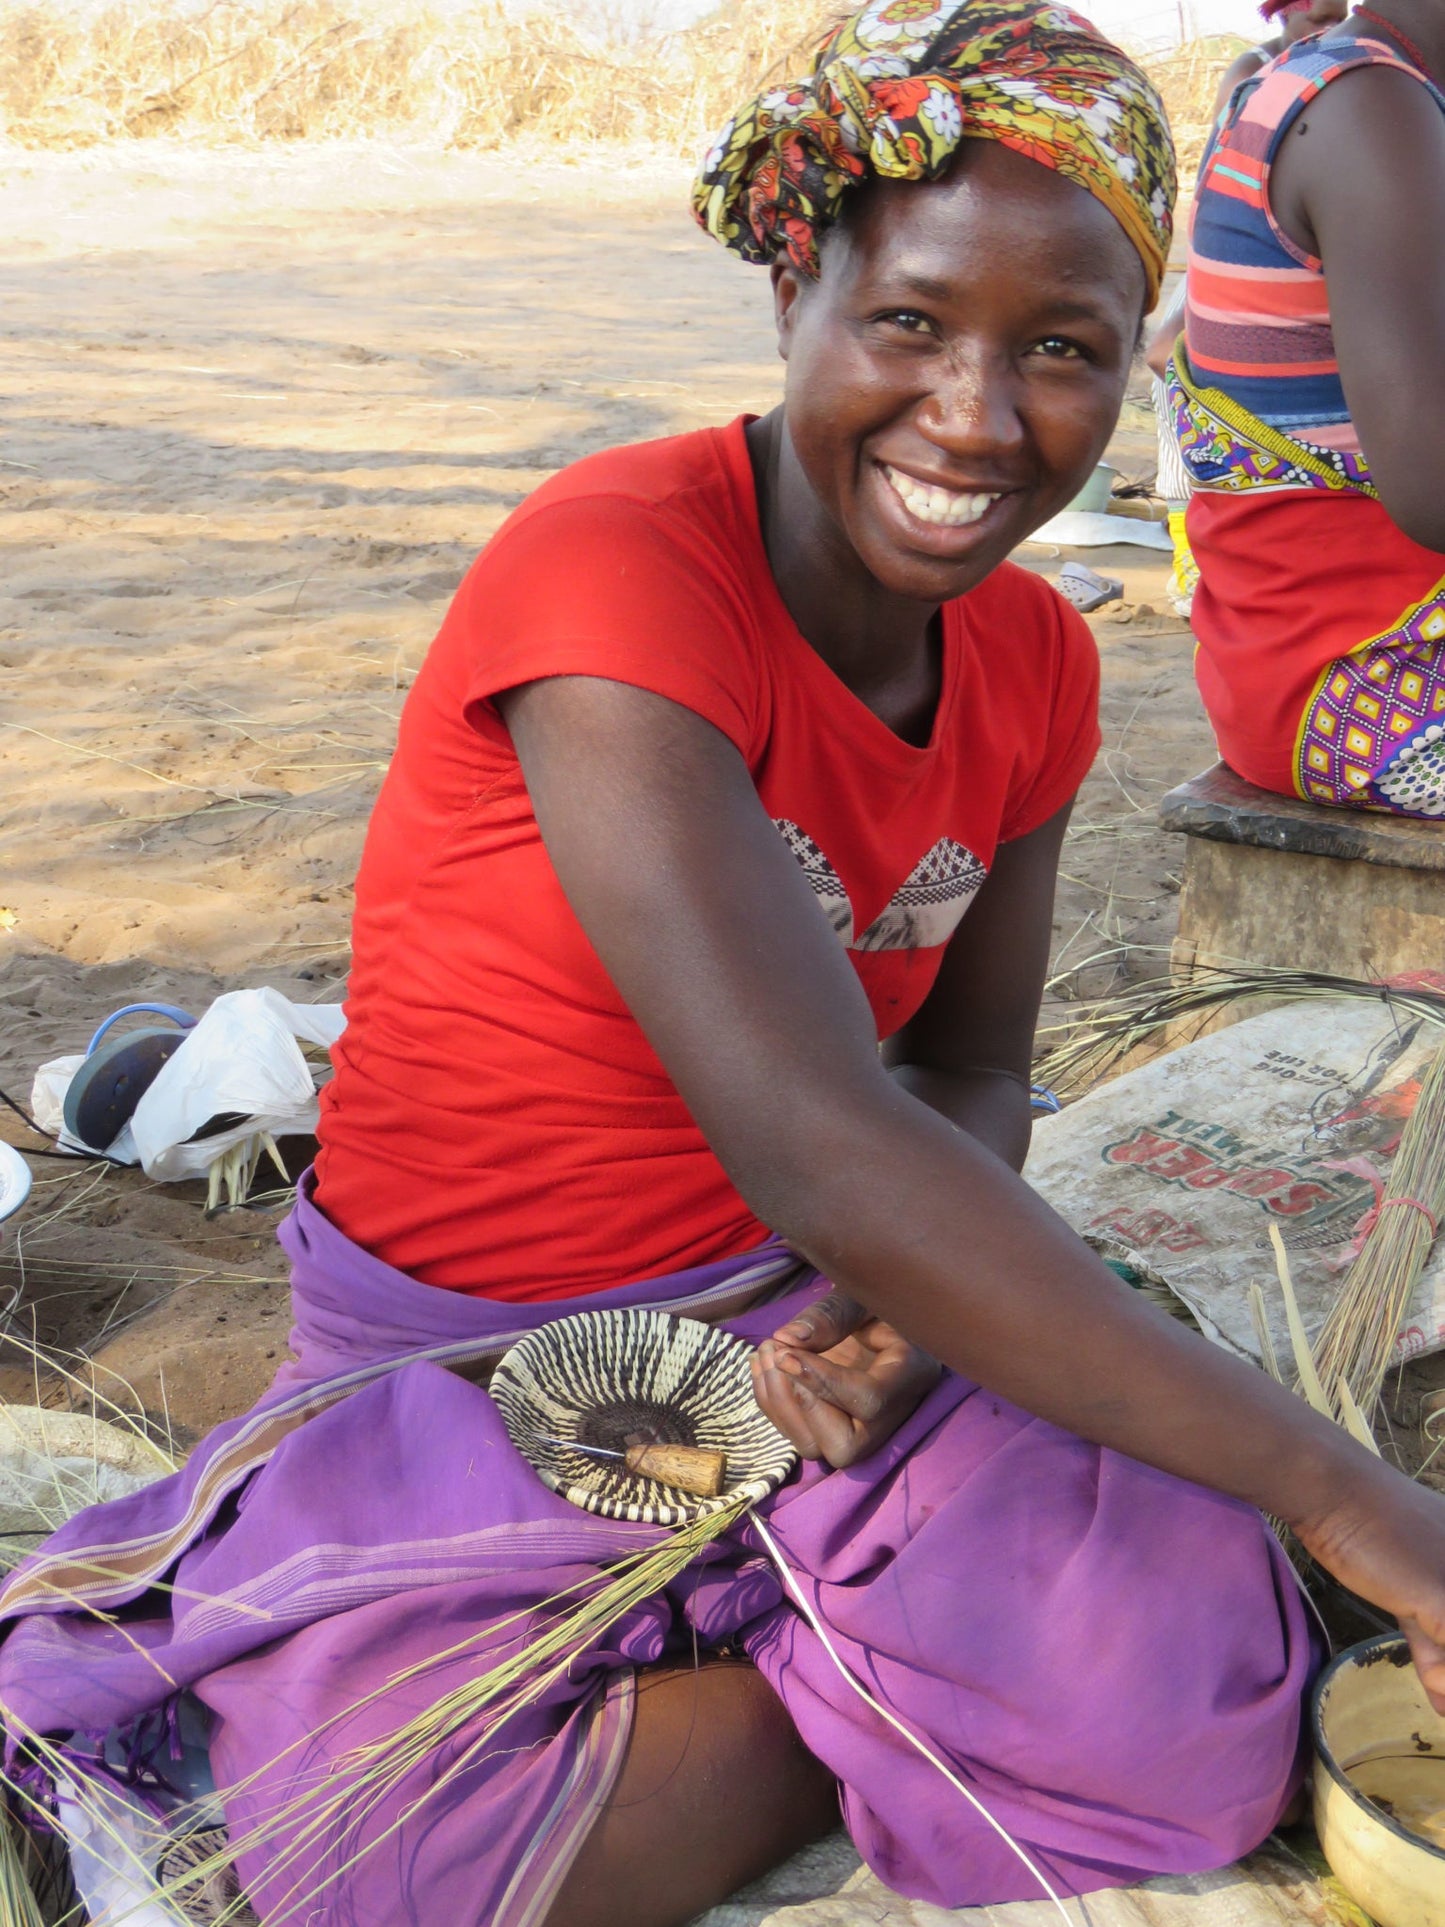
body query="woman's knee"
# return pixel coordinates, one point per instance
(716, 1789)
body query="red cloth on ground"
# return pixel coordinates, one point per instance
(498, 1123)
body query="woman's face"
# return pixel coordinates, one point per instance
(957, 368)
(1321, 15)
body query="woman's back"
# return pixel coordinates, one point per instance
(1258, 313)
(1318, 618)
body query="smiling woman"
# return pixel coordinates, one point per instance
(938, 419)
(738, 756)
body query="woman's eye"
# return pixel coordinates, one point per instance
(906, 320)
(1058, 348)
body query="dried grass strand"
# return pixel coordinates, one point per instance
(1357, 1343)
(1094, 1038)
(357, 1782)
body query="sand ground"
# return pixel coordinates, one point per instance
(260, 410)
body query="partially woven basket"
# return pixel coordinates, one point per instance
(215, 1894)
(614, 1379)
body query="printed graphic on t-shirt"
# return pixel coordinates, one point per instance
(827, 885)
(923, 911)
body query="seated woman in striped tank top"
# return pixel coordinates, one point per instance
(1311, 413)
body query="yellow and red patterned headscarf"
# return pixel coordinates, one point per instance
(894, 90)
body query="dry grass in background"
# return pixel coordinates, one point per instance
(479, 76)
(1188, 79)
(254, 70)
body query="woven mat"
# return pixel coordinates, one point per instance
(825, 1886)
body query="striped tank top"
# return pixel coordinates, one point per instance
(1257, 322)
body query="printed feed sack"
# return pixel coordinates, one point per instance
(1290, 1118)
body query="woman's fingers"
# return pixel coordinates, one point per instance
(814, 1425)
(877, 1384)
(776, 1401)
(795, 1416)
(836, 1410)
(1429, 1657)
(835, 1436)
(824, 1324)
(860, 1394)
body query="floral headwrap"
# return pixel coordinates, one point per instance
(895, 89)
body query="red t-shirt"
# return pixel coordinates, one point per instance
(498, 1123)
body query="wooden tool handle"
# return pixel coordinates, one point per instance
(699, 1469)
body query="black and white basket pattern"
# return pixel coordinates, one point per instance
(612, 1379)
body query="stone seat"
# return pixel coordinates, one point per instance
(1273, 880)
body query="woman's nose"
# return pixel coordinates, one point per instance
(972, 411)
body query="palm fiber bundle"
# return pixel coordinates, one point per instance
(1356, 1345)
(1095, 1038)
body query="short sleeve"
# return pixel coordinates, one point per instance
(1066, 736)
(610, 585)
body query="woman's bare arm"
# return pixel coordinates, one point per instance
(708, 928)
(1164, 332)
(839, 1386)
(1360, 181)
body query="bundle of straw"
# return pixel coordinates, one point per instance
(18, 1904)
(1096, 1037)
(1356, 1345)
(347, 1791)
(1343, 1372)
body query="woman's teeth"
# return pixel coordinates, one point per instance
(941, 506)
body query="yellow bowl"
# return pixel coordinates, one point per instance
(1370, 1714)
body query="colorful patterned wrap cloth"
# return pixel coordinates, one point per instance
(895, 89)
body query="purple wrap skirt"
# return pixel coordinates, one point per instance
(1112, 1659)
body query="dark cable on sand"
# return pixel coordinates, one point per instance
(84, 1155)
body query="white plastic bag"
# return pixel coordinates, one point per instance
(115, 1841)
(241, 1058)
(47, 1098)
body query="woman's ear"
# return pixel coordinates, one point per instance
(788, 286)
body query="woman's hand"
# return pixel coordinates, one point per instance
(839, 1382)
(1385, 1540)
